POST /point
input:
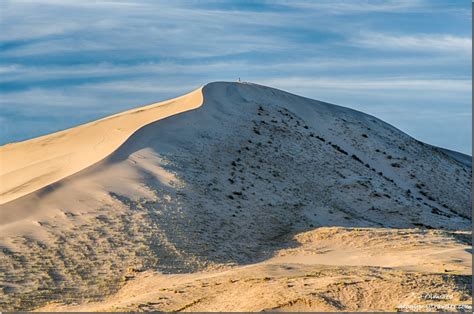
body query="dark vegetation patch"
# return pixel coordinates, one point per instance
(339, 149)
(356, 158)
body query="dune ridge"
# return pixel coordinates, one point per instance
(30, 165)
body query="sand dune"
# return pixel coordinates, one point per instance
(30, 165)
(246, 184)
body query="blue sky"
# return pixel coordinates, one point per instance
(407, 62)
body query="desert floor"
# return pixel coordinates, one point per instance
(328, 269)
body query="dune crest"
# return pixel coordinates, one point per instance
(30, 165)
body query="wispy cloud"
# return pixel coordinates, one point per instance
(422, 42)
(381, 83)
(352, 7)
(26, 73)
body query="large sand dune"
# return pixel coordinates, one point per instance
(246, 184)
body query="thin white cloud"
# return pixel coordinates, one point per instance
(422, 42)
(74, 3)
(366, 84)
(39, 100)
(139, 87)
(25, 73)
(352, 7)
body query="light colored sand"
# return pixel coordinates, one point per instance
(332, 269)
(243, 186)
(407, 249)
(30, 165)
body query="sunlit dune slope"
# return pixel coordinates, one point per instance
(30, 165)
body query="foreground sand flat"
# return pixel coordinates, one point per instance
(30, 165)
(330, 269)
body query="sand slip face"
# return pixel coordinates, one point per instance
(30, 165)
